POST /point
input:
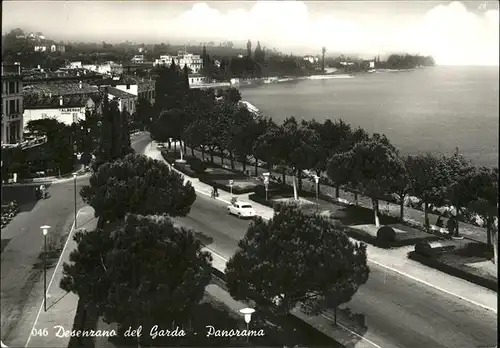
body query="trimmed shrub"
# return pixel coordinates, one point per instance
(424, 248)
(186, 169)
(386, 234)
(197, 165)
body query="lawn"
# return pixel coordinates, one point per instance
(218, 171)
(239, 184)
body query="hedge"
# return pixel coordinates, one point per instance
(454, 271)
(356, 234)
(185, 169)
(236, 190)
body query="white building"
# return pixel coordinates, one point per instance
(12, 105)
(67, 111)
(311, 59)
(41, 48)
(110, 68)
(193, 61)
(138, 59)
(196, 80)
(74, 65)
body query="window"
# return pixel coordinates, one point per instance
(11, 88)
(12, 106)
(17, 87)
(128, 86)
(17, 105)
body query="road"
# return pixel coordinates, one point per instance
(399, 312)
(24, 243)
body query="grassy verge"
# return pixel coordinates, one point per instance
(457, 263)
(348, 215)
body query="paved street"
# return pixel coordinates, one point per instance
(467, 230)
(24, 243)
(398, 311)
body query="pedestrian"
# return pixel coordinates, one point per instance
(439, 222)
(213, 192)
(216, 192)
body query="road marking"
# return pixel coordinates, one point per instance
(434, 286)
(53, 276)
(379, 264)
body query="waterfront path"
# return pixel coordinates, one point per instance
(469, 231)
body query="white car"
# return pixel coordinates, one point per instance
(241, 210)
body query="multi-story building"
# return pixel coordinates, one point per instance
(12, 105)
(193, 61)
(68, 110)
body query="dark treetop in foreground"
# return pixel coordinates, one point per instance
(144, 271)
(139, 185)
(296, 258)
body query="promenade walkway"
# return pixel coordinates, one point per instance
(468, 231)
(394, 260)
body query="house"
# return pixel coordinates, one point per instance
(74, 65)
(65, 109)
(125, 100)
(12, 104)
(311, 59)
(41, 48)
(140, 88)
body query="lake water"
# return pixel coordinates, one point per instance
(434, 109)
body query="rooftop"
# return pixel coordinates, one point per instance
(60, 89)
(119, 93)
(43, 102)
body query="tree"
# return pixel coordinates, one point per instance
(143, 113)
(323, 51)
(403, 185)
(460, 190)
(144, 272)
(370, 166)
(139, 185)
(428, 180)
(332, 137)
(485, 184)
(295, 258)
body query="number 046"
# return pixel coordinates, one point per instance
(40, 332)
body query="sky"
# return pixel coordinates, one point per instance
(454, 33)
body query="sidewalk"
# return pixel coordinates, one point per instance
(394, 260)
(467, 230)
(49, 179)
(38, 328)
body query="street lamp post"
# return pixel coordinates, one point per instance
(74, 186)
(266, 182)
(247, 312)
(231, 182)
(45, 230)
(316, 180)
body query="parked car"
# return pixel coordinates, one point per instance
(241, 209)
(160, 146)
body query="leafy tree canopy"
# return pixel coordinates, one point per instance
(296, 257)
(143, 272)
